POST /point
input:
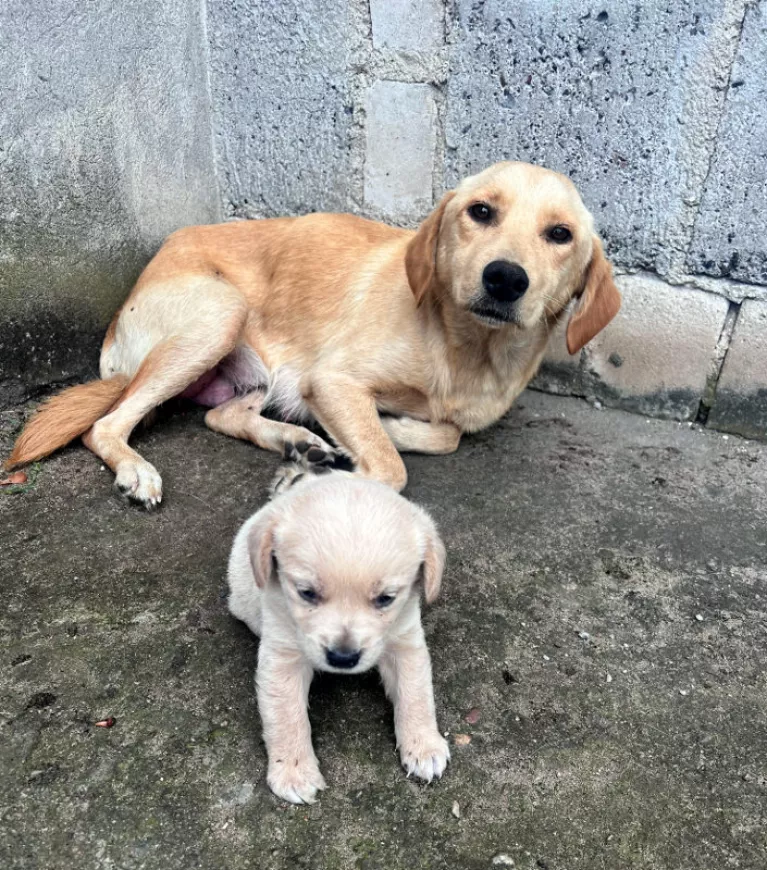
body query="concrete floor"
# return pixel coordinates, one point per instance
(604, 614)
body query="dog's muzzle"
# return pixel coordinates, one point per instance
(343, 658)
(504, 282)
(503, 285)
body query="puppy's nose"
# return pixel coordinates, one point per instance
(504, 281)
(343, 658)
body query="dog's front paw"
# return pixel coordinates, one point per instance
(297, 781)
(425, 755)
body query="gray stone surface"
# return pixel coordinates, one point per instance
(407, 25)
(560, 371)
(105, 147)
(283, 86)
(399, 159)
(729, 239)
(656, 356)
(741, 393)
(623, 98)
(641, 746)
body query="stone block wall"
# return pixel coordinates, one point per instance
(130, 120)
(105, 148)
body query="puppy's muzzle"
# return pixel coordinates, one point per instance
(343, 658)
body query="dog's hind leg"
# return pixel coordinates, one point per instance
(197, 344)
(241, 418)
(418, 436)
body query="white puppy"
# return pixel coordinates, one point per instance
(329, 575)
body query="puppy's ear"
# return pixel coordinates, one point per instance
(261, 548)
(433, 565)
(421, 254)
(600, 301)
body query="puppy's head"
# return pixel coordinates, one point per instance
(513, 245)
(347, 559)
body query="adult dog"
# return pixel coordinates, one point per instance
(342, 320)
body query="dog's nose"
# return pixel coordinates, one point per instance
(342, 658)
(505, 281)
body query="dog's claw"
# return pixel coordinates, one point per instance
(427, 762)
(297, 785)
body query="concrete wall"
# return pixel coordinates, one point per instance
(377, 106)
(286, 108)
(105, 147)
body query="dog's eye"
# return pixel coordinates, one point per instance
(481, 212)
(309, 595)
(383, 601)
(559, 235)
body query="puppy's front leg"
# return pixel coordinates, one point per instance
(282, 682)
(406, 672)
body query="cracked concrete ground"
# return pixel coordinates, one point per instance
(603, 612)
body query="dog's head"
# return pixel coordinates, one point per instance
(513, 245)
(348, 559)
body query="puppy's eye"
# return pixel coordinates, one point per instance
(383, 601)
(481, 212)
(559, 235)
(308, 595)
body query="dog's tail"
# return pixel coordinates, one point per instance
(64, 417)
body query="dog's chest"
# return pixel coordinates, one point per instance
(477, 396)
(474, 409)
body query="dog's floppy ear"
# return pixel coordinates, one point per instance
(433, 564)
(600, 301)
(261, 547)
(421, 254)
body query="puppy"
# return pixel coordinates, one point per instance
(329, 575)
(392, 340)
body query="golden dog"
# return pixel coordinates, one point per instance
(339, 319)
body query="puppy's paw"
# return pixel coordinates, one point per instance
(139, 482)
(295, 781)
(425, 755)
